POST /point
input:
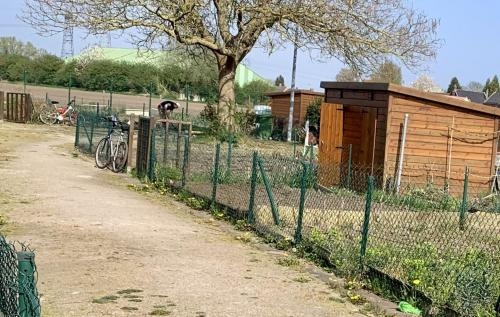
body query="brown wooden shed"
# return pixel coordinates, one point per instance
(280, 104)
(443, 135)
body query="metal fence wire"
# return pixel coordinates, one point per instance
(18, 292)
(8, 279)
(433, 245)
(90, 129)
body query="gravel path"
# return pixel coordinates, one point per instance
(94, 237)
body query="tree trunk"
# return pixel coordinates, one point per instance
(227, 73)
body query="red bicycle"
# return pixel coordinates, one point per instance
(51, 114)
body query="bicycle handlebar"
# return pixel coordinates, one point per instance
(117, 123)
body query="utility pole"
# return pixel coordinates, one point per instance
(187, 97)
(292, 93)
(69, 89)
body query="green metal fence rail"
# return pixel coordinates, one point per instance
(437, 247)
(18, 292)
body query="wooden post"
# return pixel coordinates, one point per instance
(130, 142)
(16, 108)
(190, 132)
(448, 158)
(178, 156)
(29, 105)
(1, 105)
(374, 143)
(165, 141)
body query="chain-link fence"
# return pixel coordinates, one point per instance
(91, 127)
(18, 292)
(437, 248)
(8, 279)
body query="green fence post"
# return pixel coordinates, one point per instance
(186, 160)
(253, 186)
(294, 143)
(69, 88)
(150, 97)
(92, 123)
(29, 305)
(366, 221)
(110, 96)
(349, 167)
(187, 98)
(215, 176)
(229, 156)
(463, 206)
(303, 189)
(152, 157)
(270, 195)
(77, 132)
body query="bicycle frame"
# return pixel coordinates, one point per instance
(114, 142)
(64, 112)
(56, 114)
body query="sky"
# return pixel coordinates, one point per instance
(470, 49)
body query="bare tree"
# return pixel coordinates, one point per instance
(388, 72)
(11, 46)
(347, 74)
(360, 33)
(474, 86)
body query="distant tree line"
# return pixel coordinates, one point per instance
(24, 62)
(490, 87)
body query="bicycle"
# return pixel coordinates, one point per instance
(54, 114)
(112, 150)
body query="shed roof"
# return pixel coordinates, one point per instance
(297, 91)
(438, 98)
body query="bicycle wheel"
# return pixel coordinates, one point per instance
(48, 115)
(103, 153)
(72, 118)
(120, 159)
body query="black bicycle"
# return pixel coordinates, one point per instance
(112, 150)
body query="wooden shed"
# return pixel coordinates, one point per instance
(280, 104)
(444, 134)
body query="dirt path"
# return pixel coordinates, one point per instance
(94, 237)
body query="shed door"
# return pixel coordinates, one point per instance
(359, 127)
(330, 143)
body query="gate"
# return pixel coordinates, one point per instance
(1, 105)
(144, 133)
(19, 107)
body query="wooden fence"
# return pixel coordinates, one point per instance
(1, 105)
(19, 107)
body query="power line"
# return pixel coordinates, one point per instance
(12, 25)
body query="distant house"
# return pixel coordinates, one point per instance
(473, 96)
(493, 100)
(244, 75)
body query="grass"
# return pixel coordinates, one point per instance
(105, 299)
(160, 312)
(288, 261)
(302, 279)
(129, 308)
(129, 291)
